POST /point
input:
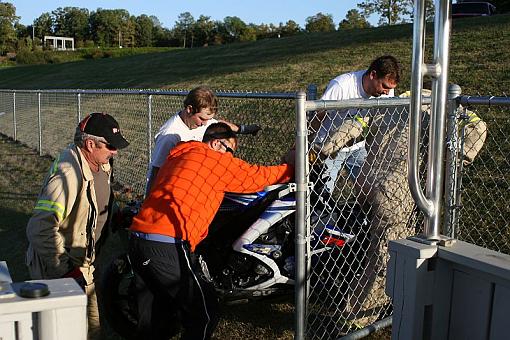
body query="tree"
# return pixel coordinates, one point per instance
(111, 27)
(8, 21)
(393, 12)
(290, 28)
(354, 19)
(320, 23)
(234, 27)
(71, 22)
(249, 33)
(144, 28)
(429, 9)
(23, 36)
(77, 23)
(183, 28)
(204, 30)
(162, 36)
(390, 11)
(43, 25)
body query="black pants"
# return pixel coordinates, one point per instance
(169, 287)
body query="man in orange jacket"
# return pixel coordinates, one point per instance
(175, 217)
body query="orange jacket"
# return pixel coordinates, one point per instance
(190, 186)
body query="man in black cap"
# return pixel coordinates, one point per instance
(73, 208)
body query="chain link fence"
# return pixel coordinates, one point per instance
(356, 171)
(360, 199)
(46, 121)
(482, 191)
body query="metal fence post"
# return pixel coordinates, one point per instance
(78, 108)
(14, 116)
(149, 129)
(39, 122)
(452, 163)
(429, 203)
(301, 194)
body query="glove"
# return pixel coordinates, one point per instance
(77, 275)
(251, 129)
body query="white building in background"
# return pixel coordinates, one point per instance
(59, 43)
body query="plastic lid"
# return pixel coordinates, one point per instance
(33, 290)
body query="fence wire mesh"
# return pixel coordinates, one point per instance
(140, 115)
(483, 184)
(360, 200)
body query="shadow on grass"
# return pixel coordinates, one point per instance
(13, 240)
(271, 318)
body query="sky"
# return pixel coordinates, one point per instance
(167, 11)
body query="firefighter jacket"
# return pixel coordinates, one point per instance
(61, 229)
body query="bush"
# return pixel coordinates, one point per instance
(94, 54)
(50, 56)
(27, 57)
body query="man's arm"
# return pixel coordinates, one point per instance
(340, 137)
(164, 143)
(54, 203)
(243, 129)
(153, 172)
(475, 134)
(243, 177)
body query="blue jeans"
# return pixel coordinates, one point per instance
(352, 160)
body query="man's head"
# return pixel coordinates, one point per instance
(98, 136)
(220, 137)
(382, 76)
(200, 105)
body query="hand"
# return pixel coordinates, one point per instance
(251, 129)
(77, 275)
(290, 157)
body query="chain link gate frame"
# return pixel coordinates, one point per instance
(476, 209)
(326, 311)
(339, 297)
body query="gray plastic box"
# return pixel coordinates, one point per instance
(61, 315)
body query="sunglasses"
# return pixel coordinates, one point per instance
(227, 148)
(109, 146)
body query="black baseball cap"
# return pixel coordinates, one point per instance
(218, 130)
(103, 125)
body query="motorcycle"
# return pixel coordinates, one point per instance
(249, 251)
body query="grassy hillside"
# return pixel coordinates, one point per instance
(480, 49)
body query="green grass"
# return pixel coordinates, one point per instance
(479, 47)
(22, 173)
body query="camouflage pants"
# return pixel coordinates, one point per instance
(94, 326)
(389, 215)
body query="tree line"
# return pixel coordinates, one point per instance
(116, 27)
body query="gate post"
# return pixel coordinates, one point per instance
(39, 122)
(14, 116)
(300, 224)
